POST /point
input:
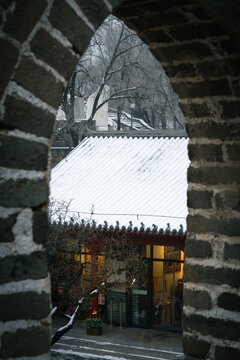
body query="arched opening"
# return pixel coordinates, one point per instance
(202, 62)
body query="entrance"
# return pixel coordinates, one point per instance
(167, 287)
(158, 301)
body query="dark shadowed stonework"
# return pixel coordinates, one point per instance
(197, 43)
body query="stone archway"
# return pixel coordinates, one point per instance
(42, 42)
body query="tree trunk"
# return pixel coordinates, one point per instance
(119, 112)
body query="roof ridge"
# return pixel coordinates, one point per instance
(138, 134)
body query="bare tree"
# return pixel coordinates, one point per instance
(117, 58)
(87, 261)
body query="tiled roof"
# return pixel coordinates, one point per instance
(142, 180)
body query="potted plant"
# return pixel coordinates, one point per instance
(94, 326)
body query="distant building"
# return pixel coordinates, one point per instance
(135, 187)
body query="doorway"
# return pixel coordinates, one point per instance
(167, 287)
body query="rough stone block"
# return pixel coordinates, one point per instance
(230, 109)
(6, 228)
(232, 199)
(26, 305)
(227, 198)
(200, 224)
(40, 227)
(124, 11)
(223, 353)
(20, 114)
(208, 69)
(195, 347)
(22, 267)
(214, 175)
(23, 193)
(28, 342)
(197, 299)
(211, 326)
(229, 301)
(7, 63)
(158, 36)
(5, 3)
(202, 88)
(229, 46)
(198, 249)
(65, 19)
(179, 71)
(195, 110)
(195, 31)
(193, 51)
(22, 154)
(96, 11)
(235, 67)
(205, 152)
(200, 13)
(232, 251)
(51, 51)
(214, 130)
(25, 15)
(160, 19)
(39, 81)
(236, 87)
(211, 275)
(199, 199)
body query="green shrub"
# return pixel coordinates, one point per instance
(93, 323)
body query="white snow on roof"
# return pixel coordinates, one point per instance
(125, 179)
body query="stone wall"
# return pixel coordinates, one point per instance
(41, 41)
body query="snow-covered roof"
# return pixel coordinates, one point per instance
(140, 179)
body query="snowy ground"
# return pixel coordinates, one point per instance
(118, 344)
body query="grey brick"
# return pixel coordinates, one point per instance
(195, 347)
(51, 51)
(23, 193)
(23, 154)
(6, 225)
(195, 50)
(96, 10)
(7, 63)
(25, 342)
(20, 114)
(41, 82)
(200, 224)
(195, 31)
(223, 353)
(232, 251)
(202, 88)
(199, 199)
(26, 305)
(22, 267)
(214, 175)
(197, 299)
(198, 248)
(25, 15)
(64, 18)
(214, 130)
(212, 326)
(211, 275)
(229, 301)
(207, 152)
(195, 110)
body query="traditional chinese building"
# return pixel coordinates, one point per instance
(133, 187)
